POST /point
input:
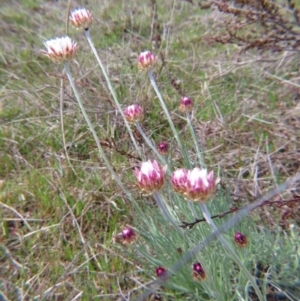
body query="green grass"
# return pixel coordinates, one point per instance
(74, 212)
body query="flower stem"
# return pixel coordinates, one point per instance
(165, 211)
(150, 144)
(211, 223)
(112, 91)
(182, 149)
(61, 113)
(91, 127)
(198, 150)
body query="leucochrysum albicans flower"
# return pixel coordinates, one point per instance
(186, 104)
(146, 60)
(134, 113)
(60, 49)
(196, 184)
(81, 18)
(150, 176)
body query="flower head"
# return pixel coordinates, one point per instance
(134, 113)
(186, 104)
(200, 184)
(60, 49)
(160, 271)
(195, 184)
(128, 235)
(146, 60)
(240, 239)
(81, 18)
(163, 148)
(150, 177)
(179, 179)
(198, 272)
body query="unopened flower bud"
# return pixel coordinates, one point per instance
(134, 113)
(186, 104)
(128, 235)
(146, 60)
(81, 18)
(160, 271)
(240, 239)
(163, 148)
(198, 272)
